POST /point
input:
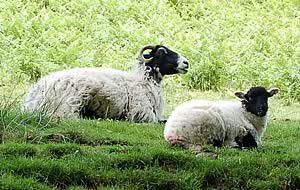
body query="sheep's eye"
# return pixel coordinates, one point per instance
(250, 98)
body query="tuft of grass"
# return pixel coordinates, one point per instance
(19, 183)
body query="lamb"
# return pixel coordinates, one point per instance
(109, 93)
(233, 124)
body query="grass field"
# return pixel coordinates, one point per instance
(37, 153)
(230, 45)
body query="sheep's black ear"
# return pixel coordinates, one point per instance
(240, 95)
(273, 91)
(161, 51)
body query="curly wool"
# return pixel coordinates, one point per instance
(212, 122)
(108, 93)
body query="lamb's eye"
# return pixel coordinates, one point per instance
(250, 98)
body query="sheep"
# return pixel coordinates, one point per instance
(106, 93)
(238, 124)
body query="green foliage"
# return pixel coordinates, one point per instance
(229, 44)
(19, 183)
(245, 43)
(46, 153)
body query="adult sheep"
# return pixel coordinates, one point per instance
(234, 124)
(106, 92)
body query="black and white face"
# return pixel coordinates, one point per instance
(256, 99)
(166, 61)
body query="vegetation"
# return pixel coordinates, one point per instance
(230, 45)
(41, 153)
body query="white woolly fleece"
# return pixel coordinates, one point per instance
(108, 93)
(204, 122)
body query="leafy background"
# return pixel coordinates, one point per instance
(230, 44)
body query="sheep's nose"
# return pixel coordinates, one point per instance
(262, 108)
(186, 63)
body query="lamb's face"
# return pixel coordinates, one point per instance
(166, 61)
(256, 99)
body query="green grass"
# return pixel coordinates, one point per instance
(81, 154)
(231, 45)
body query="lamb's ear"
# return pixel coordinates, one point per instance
(273, 91)
(240, 95)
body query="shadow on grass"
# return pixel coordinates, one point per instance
(79, 138)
